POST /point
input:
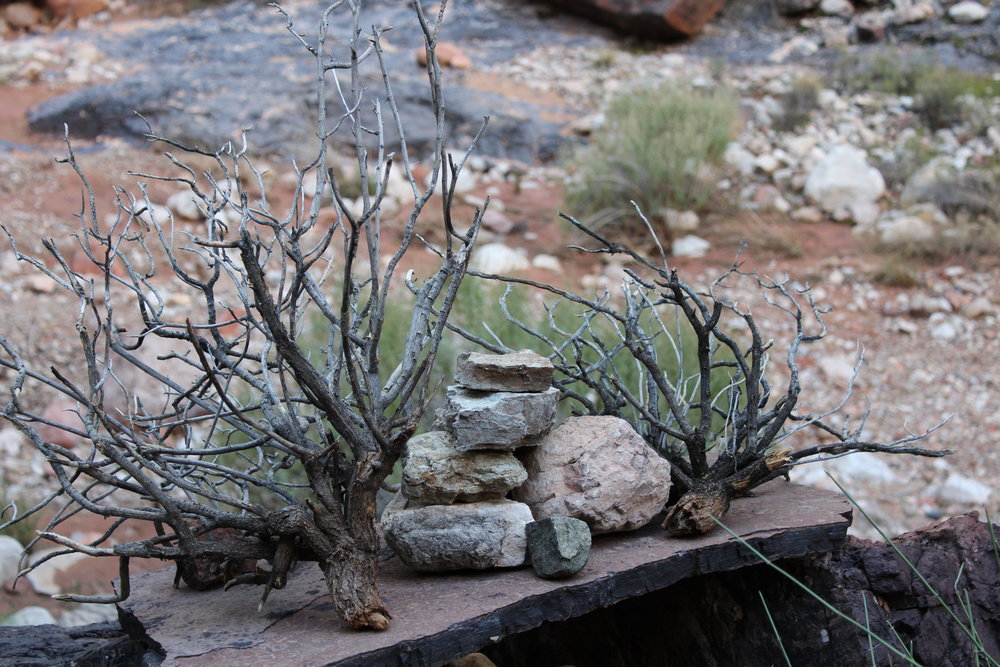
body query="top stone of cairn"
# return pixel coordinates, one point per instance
(521, 371)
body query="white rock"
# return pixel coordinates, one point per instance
(183, 205)
(807, 214)
(476, 536)
(905, 229)
(43, 577)
(837, 367)
(979, 307)
(33, 615)
(547, 263)
(681, 221)
(800, 45)
(968, 12)
(398, 186)
(946, 330)
(499, 258)
(10, 558)
(466, 182)
(739, 158)
(87, 613)
(913, 12)
(767, 163)
(925, 305)
(599, 470)
(959, 489)
(799, 145)
(865, 213)
(151, 214)
(689, 246)
(836, 36)
(844, 179)
(836, 7)
(853, 471)
(495, 221)
(310, 182)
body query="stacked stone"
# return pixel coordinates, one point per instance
(452, 512)
(589, 475)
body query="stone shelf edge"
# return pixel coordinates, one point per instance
(440, 617)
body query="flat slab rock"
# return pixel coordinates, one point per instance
(443, 616)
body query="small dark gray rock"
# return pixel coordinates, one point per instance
(558, 546)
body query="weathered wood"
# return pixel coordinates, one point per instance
(439, 617)
(658, 19)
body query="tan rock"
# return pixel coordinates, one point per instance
(22, 15)
(599, 470)
(449, 55)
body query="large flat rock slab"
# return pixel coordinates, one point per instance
(438, 617)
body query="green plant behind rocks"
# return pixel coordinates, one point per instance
(657, 148)
(944, 96)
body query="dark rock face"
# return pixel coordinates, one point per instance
(667, 20)
(201, 78)
(84, 646)
(719, 619)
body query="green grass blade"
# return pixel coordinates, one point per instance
(817, 596)
(774, 629)
(969, 632)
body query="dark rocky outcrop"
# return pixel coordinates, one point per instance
(719, 619)
(200, 78)
(667, 20)
(96, 645)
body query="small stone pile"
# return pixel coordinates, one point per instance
(591, 474)
(452, 512)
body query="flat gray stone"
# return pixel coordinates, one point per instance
(435, 473)
(498, 420)
(558, 546)
(440, 617)
(467, 536)
(523, 370)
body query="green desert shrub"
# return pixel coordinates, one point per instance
(657, 148)
(944, 96)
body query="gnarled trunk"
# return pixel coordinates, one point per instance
(696, 511)
(351, 580)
